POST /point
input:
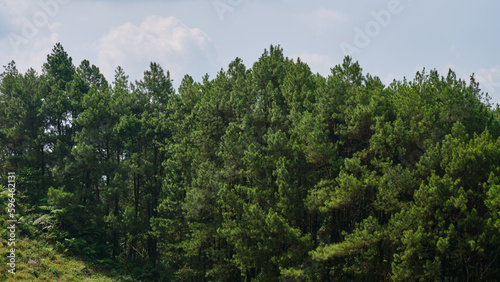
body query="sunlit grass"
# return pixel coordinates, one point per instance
(38, 261)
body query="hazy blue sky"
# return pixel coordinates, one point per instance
(391, 39)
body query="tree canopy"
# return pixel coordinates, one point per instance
(267, 173)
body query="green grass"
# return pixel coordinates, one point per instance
(38, 261)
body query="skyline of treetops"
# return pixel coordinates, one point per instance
(261, 173)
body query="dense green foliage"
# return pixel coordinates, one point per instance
(263, 174)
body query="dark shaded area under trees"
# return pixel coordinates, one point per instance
(270, 173)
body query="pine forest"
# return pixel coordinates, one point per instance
(266, 172)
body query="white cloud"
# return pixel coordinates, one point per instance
(16, 8)
(455, 51)
(491, 75)
(489, 81)
(317, 62)
(322, 19)
(178, 48)
(456, 69)
(25, 15)
(31, 53)
(29, 31)
(389, 78)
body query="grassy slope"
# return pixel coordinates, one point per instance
(37, 261)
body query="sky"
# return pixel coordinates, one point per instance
(391, 39)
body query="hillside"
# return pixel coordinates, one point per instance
(38, 261)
